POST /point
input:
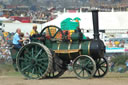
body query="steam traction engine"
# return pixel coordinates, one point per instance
(49, 57)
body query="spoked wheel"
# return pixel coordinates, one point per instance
(34, 60)
(55, 74)
(53, 32)
(84, 67)
(101, 67)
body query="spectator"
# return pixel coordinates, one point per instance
(16, 39)
(21, 35)
(116, 43)
(110, 44)
(34, 30)
(26, 35)
(122, 43)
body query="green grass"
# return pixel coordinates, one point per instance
(8, 70)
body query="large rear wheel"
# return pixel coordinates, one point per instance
(34, 60)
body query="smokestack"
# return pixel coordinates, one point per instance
(95, 24)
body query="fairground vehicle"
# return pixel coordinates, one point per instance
(49, 55)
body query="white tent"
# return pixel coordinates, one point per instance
(107, 20)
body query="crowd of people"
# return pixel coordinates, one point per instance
(38, 15)
(34, 15)
(115, 44)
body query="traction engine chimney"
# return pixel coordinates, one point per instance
(95, 24)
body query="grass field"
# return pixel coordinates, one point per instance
(8, 70)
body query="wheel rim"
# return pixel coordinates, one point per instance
(84, 67)
(53, 36)
(33, 60)
(101, 67)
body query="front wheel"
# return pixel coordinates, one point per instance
(84, 67)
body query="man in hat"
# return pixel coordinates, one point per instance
(34, 30)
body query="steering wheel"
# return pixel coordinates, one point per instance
(52, 32)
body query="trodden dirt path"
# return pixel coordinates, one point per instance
(9, 80)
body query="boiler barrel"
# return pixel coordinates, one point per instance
(83, 47)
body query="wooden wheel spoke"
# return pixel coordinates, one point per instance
(41, 67)
(26, 68)
(33, 71)
(86, 63)
(98, 71)
(38, 53)
(102, 63)
(89, 65)
(49, 32)
(102, 69)
(55, 33)
(43, 55)
(40, 71)
(27, 51)
(27, 56)
(36, 48)
(43, 63)
(80, 72)
(32, 52)
(88, 70)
